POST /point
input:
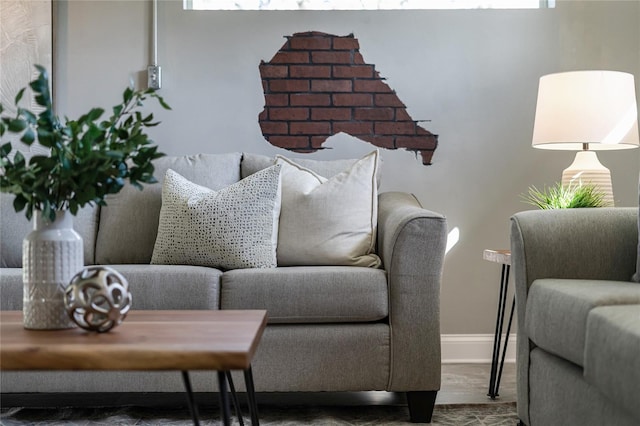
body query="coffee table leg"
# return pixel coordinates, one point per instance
(224, 399)
(234, 398)
(193, 407)
(251, 396)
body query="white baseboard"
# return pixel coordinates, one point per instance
(473, 348)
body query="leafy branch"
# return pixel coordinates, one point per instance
(88, 159)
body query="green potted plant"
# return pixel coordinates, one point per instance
(576, 195)
(88, 159)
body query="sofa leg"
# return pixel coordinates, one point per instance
(421, 405)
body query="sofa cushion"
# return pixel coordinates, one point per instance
(129, 221)
(15, 226)
(309, 294)
(557, 311)
(151, 286)
(613, 339)
(163, 287)
(251, 163)
(329, 221)
(235, 227)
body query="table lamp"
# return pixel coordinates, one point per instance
(587, 111)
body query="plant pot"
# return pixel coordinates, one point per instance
(51, 255)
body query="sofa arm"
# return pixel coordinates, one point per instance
(596, 244)
(411, 244)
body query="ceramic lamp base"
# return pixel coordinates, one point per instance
(587, 169)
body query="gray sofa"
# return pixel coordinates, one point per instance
(578, 350)
(331, 328)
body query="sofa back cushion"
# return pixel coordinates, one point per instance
(15, 226)
(251, 163)
(129, 222)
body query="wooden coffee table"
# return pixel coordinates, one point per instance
(145, 341)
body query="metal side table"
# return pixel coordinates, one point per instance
(503, 257)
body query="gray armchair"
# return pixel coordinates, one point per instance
(578, 350)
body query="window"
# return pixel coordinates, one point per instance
(364, 4)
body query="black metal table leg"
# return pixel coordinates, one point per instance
(193, 407)
(497, 340)
(251, 396)
(224, 399)
(224, 377)
(504, 349)
(234, 398)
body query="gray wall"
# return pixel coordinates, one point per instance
(473, 73)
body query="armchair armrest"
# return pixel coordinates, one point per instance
(595, 244)
(411, 244)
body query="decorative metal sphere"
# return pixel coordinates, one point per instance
(98, 298)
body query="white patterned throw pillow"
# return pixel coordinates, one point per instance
(329, 221)
(235, 227)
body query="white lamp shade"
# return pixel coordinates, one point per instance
(594, 107)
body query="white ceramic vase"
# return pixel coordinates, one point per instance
(51, 255)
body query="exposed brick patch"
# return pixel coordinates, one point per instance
(374, 114)
(292, 142)
(416, 142)
(331, 86)
(312, 71)
(381, 141)
(371, 86)
(312, 42)
(274, 71)
(289, 85)
(388, 100)
(358, 59)
(316, 142)
(352, 99)
(354, 128)
(291, 58)
(281, 99)
(353, 71)
(402, 115)
(307, 99)
(288, 114)
(310, 128)
(318, 85)
(426, 155)
(320, 114)
(275, 127)
(395, 128)
(342, 57)
(345, 43)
